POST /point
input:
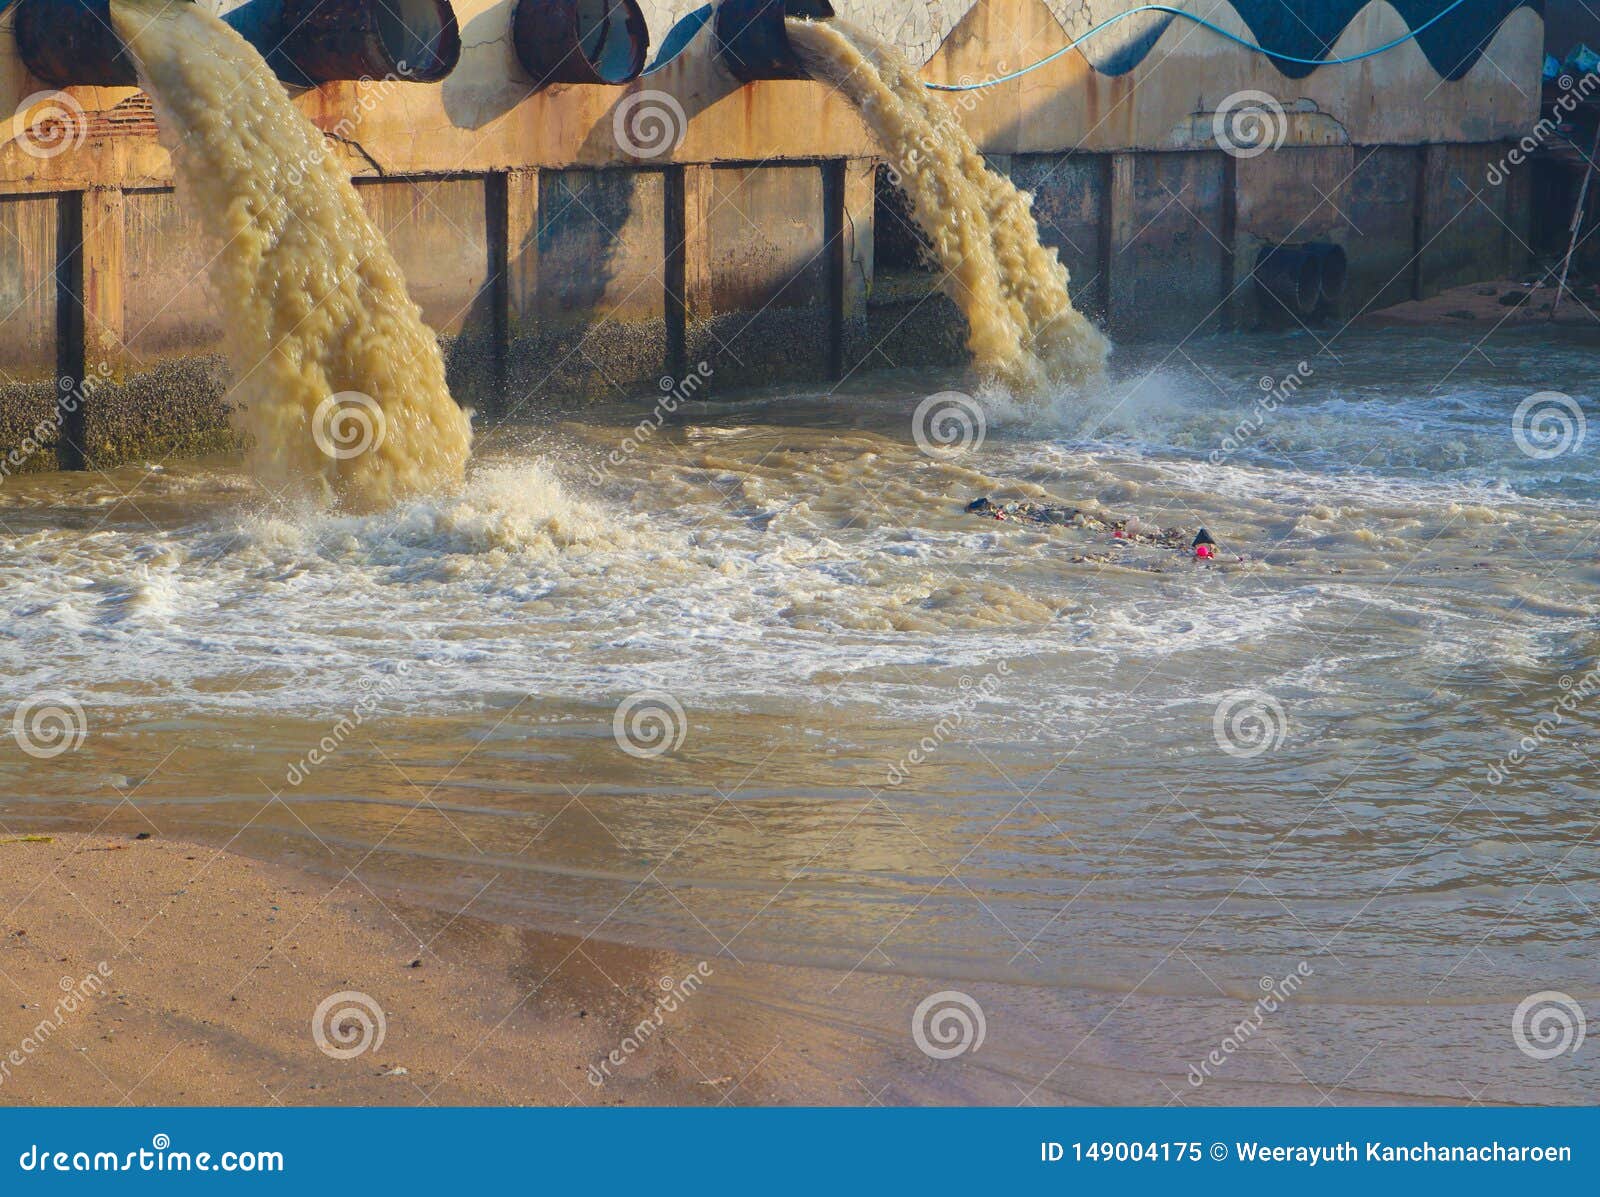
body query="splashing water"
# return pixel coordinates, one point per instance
(1022, 328)
(339, 387)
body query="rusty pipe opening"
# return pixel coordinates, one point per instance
(752, 43)
(580, 41)
(70, 42)
(306, 42)
(322, 40)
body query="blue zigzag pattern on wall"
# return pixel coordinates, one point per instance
(1309, 28)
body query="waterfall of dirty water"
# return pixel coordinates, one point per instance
(339, 387)
(1022, 328)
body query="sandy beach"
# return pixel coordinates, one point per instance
(150, 972)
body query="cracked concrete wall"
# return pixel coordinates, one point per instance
(484, 116)
(554, 263)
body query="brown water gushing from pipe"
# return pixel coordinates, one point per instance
(1022, 328)
(339, 386)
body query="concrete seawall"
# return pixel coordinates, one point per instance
(763, 241)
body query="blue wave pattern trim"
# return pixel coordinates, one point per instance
(1298, 35)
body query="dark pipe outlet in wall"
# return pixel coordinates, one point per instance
(306, 42)
(323, 40)
(580, 41)
(70, 42)
(752, 43)
(1288, 281)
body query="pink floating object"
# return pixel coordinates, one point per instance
(1202, 551)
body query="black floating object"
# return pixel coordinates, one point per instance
(979, 504)
(1202, 537)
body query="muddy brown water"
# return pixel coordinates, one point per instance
(1103, 789)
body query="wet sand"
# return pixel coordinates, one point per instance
(213, 966)
(1479, 307)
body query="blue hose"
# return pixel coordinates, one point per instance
(1217, 29)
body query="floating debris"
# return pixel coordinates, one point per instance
(1125, 532)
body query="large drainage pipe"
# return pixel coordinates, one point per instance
(752, 43)
(580, 41)
(1334, 267)
(417, 40)
(67, 42)
(1288, 279)
(306, 42)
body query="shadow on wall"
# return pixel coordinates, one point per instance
(522, 47)
(485, 91)
(642, 121)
